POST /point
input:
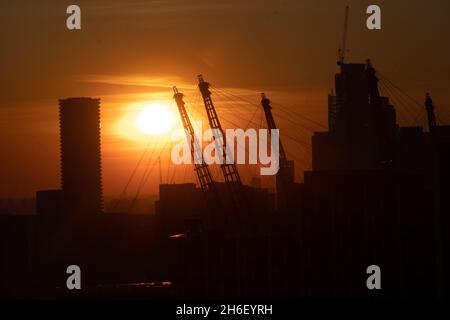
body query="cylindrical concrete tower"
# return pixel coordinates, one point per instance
(80, 155)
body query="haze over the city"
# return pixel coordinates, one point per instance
(131, 53)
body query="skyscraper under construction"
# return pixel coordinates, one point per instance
(80, 155)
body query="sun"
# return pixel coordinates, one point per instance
(155, 119)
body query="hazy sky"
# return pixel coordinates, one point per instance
(131, 51)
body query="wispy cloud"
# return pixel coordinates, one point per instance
(170, 6)
(159, 82)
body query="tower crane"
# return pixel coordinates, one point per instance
(285, 174)
(429, 107)
(201, 168)
(343, 49)
(229, 170)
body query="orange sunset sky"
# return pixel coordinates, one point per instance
(130, 53)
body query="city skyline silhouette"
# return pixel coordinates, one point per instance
(364, 152)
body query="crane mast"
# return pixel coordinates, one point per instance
(429, 107)
(229, 170)
(265, 103)
(343, 49)
(214, 217)
(285, 175)
(201, 168)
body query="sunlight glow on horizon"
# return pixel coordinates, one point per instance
(142, 120)
(155, 119)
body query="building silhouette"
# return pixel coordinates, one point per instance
(361, 123)
(80, 154)
(377, 194)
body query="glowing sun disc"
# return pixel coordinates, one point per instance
(155, 119)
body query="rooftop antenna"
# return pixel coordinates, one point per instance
(343, 48)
